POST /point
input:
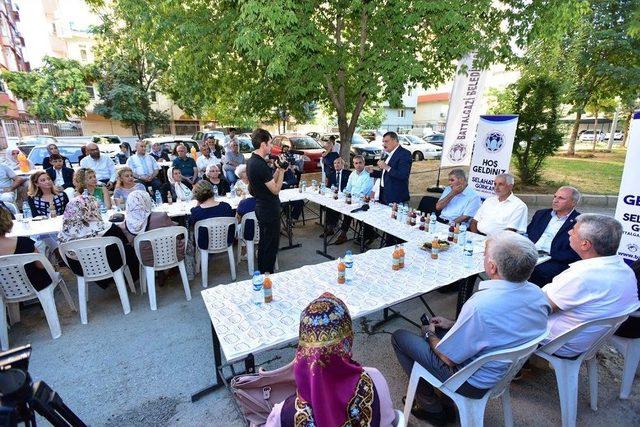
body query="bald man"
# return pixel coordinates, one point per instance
(103, 166)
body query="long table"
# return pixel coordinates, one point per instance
(241, 329)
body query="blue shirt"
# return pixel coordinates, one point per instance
(359, 183)
(186, 166)
(500, 315)
(466, 203)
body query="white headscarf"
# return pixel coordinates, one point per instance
(10, 161)
(137, 212)
(182, 191)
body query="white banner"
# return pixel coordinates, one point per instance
(464, 111)
(491, 151)
(628, 207)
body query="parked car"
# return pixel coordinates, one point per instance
(588, 135)
(169, 143)
(27, 143)
(419, 148)
(617, 135)
(70, 151)
(310, 148)
(201, 136)
(435, 139)
(245, 146)
(359, 146)
(371, 135)
(314, 135)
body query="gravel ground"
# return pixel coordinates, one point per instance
(140, 369)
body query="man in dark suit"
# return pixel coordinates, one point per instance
(549, 230)
(61, 175)
(338, 177)
(395, 168)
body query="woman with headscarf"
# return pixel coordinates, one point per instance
(11, 159)
(82, 220)
(331, 388)
(176, 187)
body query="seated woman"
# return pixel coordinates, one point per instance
(178, 190)
(82, 220)
(217, 181)
(125, 185)
(242, 184)
(85, 179)
(44, 198)
(22, 245)
(331, 388)
(207, 208)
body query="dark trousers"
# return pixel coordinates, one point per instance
(410, 348)
(269, 224)
(155, 184)
(332, 220)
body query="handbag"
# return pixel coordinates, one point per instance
(257, 394)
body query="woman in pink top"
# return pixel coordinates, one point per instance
(332, 389)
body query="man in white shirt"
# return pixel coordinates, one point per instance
(144, 166)
(205, 159)
(504, 211)
(598, 286)
(102, 165)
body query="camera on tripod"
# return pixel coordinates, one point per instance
(20, 398)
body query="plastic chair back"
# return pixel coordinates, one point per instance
(218, 231)
(14, 283)
(92, 255)
(256, 230)
(164, 243)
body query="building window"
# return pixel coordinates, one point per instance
(83, 54)
(401, 113)
(54, 29)
(152, 96)
(91, 91)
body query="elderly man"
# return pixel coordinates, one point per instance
(394, 170)
(338, 178)
(144, 166)
(103, 166)
(549, 229)
(232, 159)
(214, 147)
(187, 165)
(9, 184)
(598, 286)
(458, 202)
(504, 211)
(507, 312)
(206, 159)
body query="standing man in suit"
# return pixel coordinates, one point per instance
(61, 175)
(394, 170)
(339, 177)
(549, 230)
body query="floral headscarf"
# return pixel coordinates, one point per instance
(81, 220)
(138, 210)
(332, 389)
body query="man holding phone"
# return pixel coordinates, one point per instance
(507, 311)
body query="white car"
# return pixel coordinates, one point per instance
(588, 135)
(617, 135)
(419, 148)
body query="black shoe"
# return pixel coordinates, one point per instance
(434, 418)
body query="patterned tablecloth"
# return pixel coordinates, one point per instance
(244, 327)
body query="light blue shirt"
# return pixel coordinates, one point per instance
(142, 165)
(359, 183)
(500, 315)
(103, 167)
(466, 203)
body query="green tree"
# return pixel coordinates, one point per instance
(55, 91)
(536, 102)
(371, 117)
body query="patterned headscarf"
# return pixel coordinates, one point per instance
(81, 220)
(138, 210)
(332, 389)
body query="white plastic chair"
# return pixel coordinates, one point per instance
(399, 421)
(217, 229)
(472, 410)
(15, 287)
(568, 370)
(250, 244)
(92, 256)
(630, 349)
(164, 243)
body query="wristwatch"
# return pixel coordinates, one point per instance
(431, 334)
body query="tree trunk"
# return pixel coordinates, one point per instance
(612, 131)
(574, 134)
(595, 132)
(626, 130)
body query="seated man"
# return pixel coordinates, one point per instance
(9, 184)
(61, 175)
(187, 165)
(144, 166)
(103, 166)
(507, 312)
(339, 178)
(359, 183)
(598, 286)
(458, 202)
(549, 230)
(504, 211)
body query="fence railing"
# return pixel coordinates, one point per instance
(22, 128)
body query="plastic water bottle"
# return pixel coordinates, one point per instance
(432, 222)
(348, 263)
(26, 210)
(158, 198)
(462, 237)
(258, 297)
(467, 253)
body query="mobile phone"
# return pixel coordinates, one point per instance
(424, 319)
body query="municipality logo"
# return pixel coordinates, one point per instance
(494, 141)
(632, 247)
(457, 152)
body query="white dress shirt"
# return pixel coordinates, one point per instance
(142, 165)
(495, 216)
(202, 162)
(555, 224)
(59, 181)
(387, 162)
(103, 167)
(594, 288)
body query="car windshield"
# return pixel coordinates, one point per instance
(414, 139)
(438, 137)
(358, 140)
(71, 152)
(105, 140)
(304, 143)
(245, 145)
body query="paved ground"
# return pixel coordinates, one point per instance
(141, 369)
